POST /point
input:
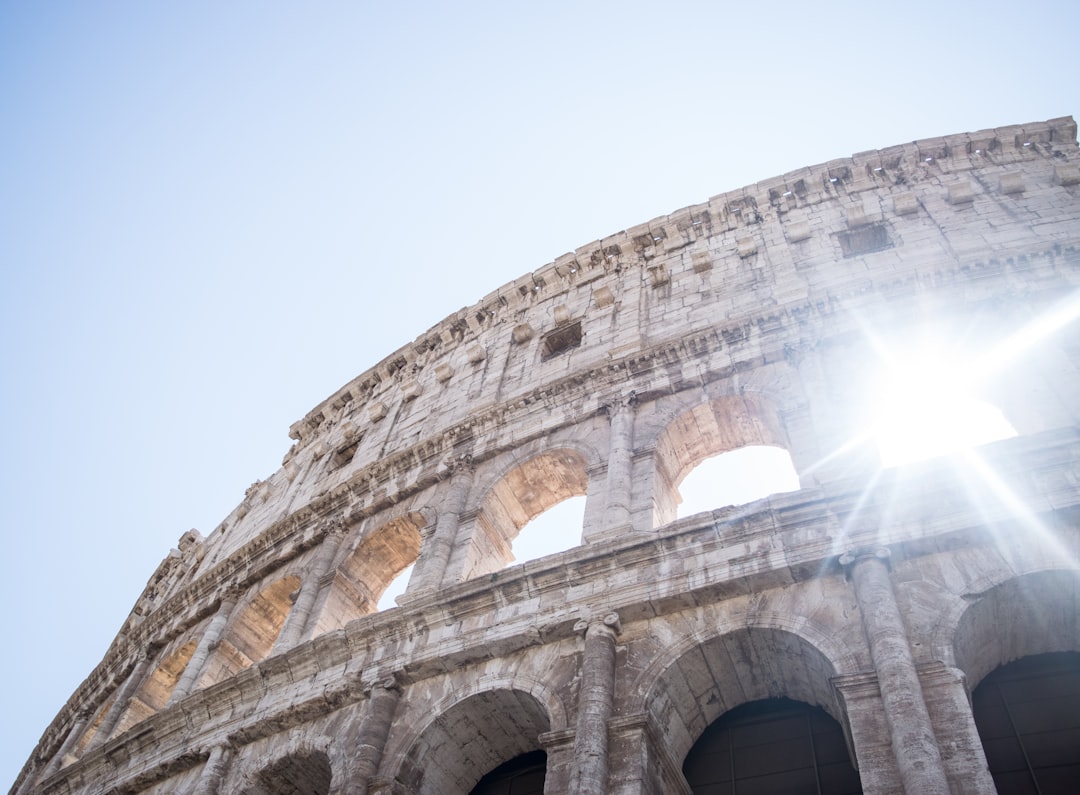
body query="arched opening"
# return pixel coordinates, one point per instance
(522, 775)
(769, 746)
(556, 529)
(736, 478)
(251, 634)
(723, 425)
(523, 494)
(396, 588)
(472, 738)
(1032, 614)
(298, 774)
(379, 559)
(155, 691)
(1028, 716)
(722, 673)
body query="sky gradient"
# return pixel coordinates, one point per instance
(214, 215)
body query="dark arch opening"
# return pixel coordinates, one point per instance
(298, 774)
(1028, 716)
(522, 775)
(474, 736)
(772, 746)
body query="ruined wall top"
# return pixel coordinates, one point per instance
(769, 245)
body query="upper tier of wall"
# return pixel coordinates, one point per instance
(787, 247)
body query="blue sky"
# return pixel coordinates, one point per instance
(213, 215)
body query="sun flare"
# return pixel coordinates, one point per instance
(929, 407)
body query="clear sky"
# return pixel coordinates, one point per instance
(212, 215)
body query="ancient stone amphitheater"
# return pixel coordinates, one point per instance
(881, 629)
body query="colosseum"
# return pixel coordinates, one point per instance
(893, 623)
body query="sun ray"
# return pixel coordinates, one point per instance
(1017, 508)
(1012, 347)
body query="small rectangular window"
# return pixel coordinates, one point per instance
(343, 455)
(865, 239)
(562, 339)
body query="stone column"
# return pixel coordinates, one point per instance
(871, 746)
(559, 747)
(123, 698)
(596, 695)
(207, 643)
(213, 772)
(296, 623)
(620, 464)
(962, 754)
(374, 729)
(77, 728)
(436, 548)
(911, 733)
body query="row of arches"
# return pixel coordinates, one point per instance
(1025, 713)
(735, 715)
(507, 499)
(385, 555)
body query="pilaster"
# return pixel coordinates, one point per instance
(596, 696)
(621, 413)
(298, 623)
(910, 730)
(207, 643)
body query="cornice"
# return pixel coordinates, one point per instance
(895, 168)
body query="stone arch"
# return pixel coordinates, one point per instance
(704, 677)
(469, 738)
(526, 491)
(575, 439)
(718, 425)
(1030, 614)
(300, 774)
(981, 571)
(302, 768)
(366, 571)
(251, 632)
(154, 693)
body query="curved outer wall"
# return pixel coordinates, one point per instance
(256, 656)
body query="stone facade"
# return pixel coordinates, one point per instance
(255, 660)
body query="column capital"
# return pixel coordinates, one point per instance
(383, 680)
(226, 746)
(333, 527)
(618, 403)
(852, 556)
(462, 463)
(609, 622)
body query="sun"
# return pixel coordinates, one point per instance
(929, 407)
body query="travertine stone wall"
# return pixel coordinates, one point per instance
(255, 655)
